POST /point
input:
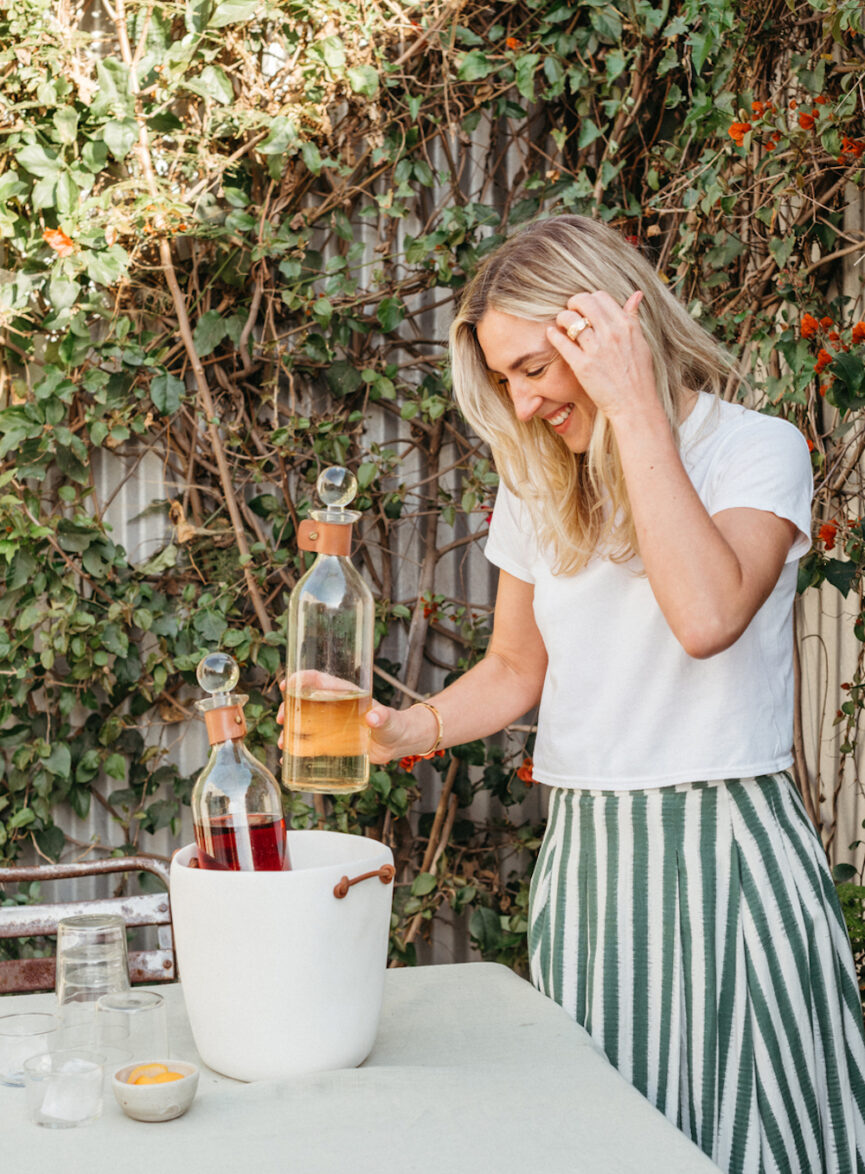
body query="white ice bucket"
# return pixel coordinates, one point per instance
(283, 972)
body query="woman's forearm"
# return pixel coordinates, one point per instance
(709, 577)
(481, 702)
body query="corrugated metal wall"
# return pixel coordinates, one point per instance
(830, 654)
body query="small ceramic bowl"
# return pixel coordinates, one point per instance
(156, 1102)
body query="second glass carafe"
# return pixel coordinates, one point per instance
(328, 685)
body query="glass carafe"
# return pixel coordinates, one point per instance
(328, 684)
(236, 803)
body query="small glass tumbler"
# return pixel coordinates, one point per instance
(25, 1034)
(91, 961)
(134, 1020)
(64, 1089)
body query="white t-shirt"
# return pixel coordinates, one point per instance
(623, 704)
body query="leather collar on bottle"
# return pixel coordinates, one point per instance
(225, 723)
(324, 537)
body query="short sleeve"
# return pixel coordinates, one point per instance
(765, 465)
(510, 543)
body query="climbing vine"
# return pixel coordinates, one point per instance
(231, 235)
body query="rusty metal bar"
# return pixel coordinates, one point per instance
(37, 974)
(42, 872)
(18, 921)
(144, 909)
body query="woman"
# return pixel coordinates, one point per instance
(647, 535)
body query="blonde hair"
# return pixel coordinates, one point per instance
(577, 502)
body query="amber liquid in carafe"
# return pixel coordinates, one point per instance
(326, 741)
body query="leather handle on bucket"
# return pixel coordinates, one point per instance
(385, 874)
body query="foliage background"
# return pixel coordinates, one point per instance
(230, 237)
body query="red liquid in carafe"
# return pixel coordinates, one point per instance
(217, 845)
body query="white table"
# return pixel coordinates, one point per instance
(473, 1071)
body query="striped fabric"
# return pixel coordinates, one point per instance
(695, 932)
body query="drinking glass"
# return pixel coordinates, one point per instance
(91, 961)
(64, 1089)
(23, 1035)
(110, 1042)
(134, 1020)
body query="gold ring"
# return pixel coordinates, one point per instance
(577, 327)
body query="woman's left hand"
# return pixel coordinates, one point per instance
(609, 356)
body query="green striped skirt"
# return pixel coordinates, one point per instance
(696, 934)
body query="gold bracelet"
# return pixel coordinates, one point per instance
(441, 729)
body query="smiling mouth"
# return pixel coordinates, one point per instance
(557, 419)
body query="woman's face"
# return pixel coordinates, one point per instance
(537, 379)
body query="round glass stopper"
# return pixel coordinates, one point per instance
(217, 672)
(336, 486)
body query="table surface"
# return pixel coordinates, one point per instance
(473, 1070)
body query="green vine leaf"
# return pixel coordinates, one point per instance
(166, 392)
(120, 137)
(227, 12)
(364, 80)
(841, 574)
(390, 313)
(213, 83)
(209, 333)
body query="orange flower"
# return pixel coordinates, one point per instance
(824, 387)
(512, 43)
(524, 773)
(411, 760)
(821, 99)
(806, 121)
(859, 332)
(737, 132)
(827, 533)
(810, 444)
(57, 239)
(771, 145)
(757, 107)
(809, 326)
(826, 322)
(823, 361)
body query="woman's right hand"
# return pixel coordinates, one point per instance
(392, 732)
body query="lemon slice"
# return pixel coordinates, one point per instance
(145, 1070)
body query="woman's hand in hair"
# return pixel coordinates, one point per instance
(610, 356)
